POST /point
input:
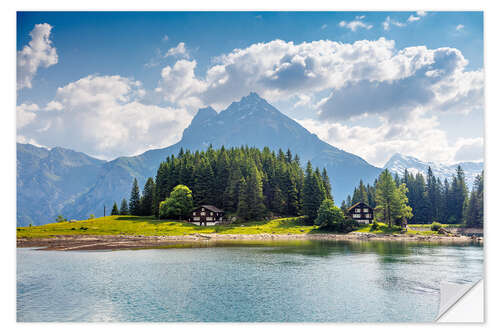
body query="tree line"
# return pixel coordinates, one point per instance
(430, 198)
(247, 181)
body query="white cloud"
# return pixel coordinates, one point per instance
(412, 18)
(363, 77)
(38, 53)
(459, 27)
(178, 51)
(26, 113)
(388, 22)
(355, 24)
(324, 26)
(421, 13)
(303, 100)
(420, 137)
(180, 86)
(103, 116)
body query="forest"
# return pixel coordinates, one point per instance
(253, 184)
(247, 181)
(431, 199)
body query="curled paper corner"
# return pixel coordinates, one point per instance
(461, 303)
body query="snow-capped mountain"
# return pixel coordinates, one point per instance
(398, 163)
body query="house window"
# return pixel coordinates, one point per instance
(197, 218)
(210, 219)
(203, 209)
(211, 214)
(357, 210)
(194, 213)
(356, 216)
(365, 210)
(202, 213)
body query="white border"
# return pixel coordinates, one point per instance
(8, 101)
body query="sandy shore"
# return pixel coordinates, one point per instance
(116, 242)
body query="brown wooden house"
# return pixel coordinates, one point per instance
(361, 212)
(206, 214)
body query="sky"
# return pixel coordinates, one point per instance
(113, 84)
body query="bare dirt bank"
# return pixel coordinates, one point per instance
(116, 242)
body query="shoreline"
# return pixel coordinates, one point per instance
(122, 242)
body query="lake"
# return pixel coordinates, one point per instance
(292, 281)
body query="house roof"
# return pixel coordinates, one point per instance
(212, 208)
(356, 205)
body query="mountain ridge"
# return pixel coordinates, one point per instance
(399, 162)
(251, 121)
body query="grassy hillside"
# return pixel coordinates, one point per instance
(148, 226)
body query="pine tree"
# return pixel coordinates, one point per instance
(124, 207)
(255, 198)
(147, 197)
(314, 193)
(391, 200)
(243, 199)
(115, 211)
(135, 199)
(327, 184)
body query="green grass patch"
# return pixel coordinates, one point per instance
(150, 226)
(385, 230)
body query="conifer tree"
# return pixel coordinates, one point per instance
(135, 199)
(114, 210)
(147, 197)
(391, 200)
(124, 207)
(242, 199)
(327, 184)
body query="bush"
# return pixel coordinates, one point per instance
(435, 226)
(374, 226)
(179, 204)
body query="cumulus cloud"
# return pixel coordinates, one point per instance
(26, 113)
(363, 77)
(178, 51)
(355, 24)
(38, 53)
(420, 137)
(103, 116)
(459, 27)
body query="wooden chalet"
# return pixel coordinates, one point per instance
(206, 215)
(361, 212)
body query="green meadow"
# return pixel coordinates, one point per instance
(150, 226)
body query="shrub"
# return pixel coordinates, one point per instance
(435, 226)
(329, 215)
(179, 204)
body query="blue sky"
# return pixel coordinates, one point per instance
(421, 74)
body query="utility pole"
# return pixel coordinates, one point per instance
(104, 210)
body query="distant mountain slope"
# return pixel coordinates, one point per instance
(47, 180)
(251, 121)
(398, 163)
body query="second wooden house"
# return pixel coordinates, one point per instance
(206, 215)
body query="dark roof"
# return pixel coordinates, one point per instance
(211, 208)
(356, 205)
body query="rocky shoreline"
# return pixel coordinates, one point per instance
(120, 242)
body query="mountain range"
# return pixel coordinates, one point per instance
(398, 163)
(62, 181)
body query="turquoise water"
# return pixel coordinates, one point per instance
(312, 281)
